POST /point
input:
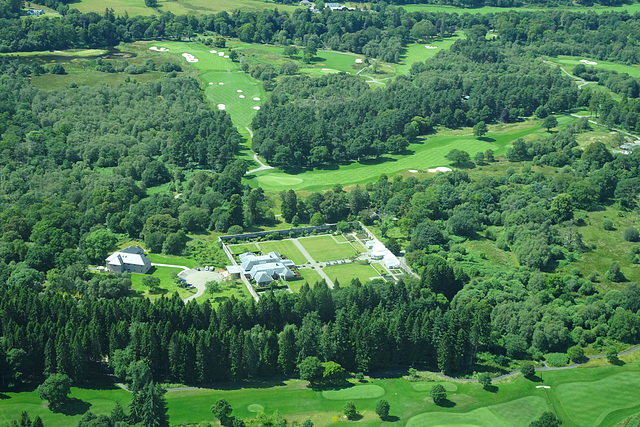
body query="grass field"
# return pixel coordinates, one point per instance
(427, 154)
(569, 62)
(167, 285)
(172, 259)
(346, 272)
(284, 247)
(179, 7)
(309, 276)
(631, 8)
(324, 248)
(243, 247)
(100, 399)
(513, 403)
(236, 289)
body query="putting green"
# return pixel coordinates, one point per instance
(427, 386)
(255, 407)
(368, 391)
(614, 392)
(519, 412)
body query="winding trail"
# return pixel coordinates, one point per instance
(262, 166)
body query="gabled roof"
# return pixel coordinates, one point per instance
(121, 258)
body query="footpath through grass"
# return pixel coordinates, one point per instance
(420, 156)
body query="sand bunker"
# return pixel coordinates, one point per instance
(586, 61)
(222, 107)
(210, 83)
(430, 47)
(189, 57)
(220, 53)
(241, 96)
(159, 49)
(220, 83)
(226, 56)
(213, 51)
(413, 171)
(239, 91)
(358, 61)
(440, 169)
(256, 108)
(256, 99)
(326, 69)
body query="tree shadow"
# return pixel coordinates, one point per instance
(391, 419)
(4, 396)
(73, 407)
(376, 160)
(447, 404)
(534, 378)
(356, 417)
(491, 388)
(486, 139)
(618, 362)
(335, 385)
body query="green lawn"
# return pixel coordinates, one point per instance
(167, 284)
(346, 272)
(324, 248)
(284, 247)
(309, 276)
(100, 399)
(172, 259)
(243, 247)
(177, 7)
(58, 54)
(427, 154)
(236, 289)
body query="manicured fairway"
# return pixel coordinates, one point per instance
(417, 52)
(284, 247)
(428, 154)
(324, 248)
(345, 272)
(98, 400)
(216, 69)
(368, 391)
(569, 62)
(518, 412)
(179, 7)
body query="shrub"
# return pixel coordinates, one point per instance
(576, 353)
(350, 410)
(607, 224)
(630, 234)
(614, 274)
(557, 359)
(438, 394)
(235, 229)
(528, 370)
(484, 379)
(382, 409)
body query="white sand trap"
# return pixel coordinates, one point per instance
(430, 47)
(326, 69)
(256, 99)
(413, 171)
(210, 83)
(226, 56)
(159, 49)
(241, 96)
(220, 83)
(222, 107)
(358, 61)
(586, 61)
(239, 91)
(440, 169)
(189, 57)
(213, 51)
(220, 53)
(256, 108)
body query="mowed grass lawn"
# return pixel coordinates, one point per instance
(215, 69)
(167, 284)
(179, 7)
(99, 400)
(241, 248)
(426, 154)
(346, 272)
(324, 248)
(309, 276)
(569, 62)
(284, 247)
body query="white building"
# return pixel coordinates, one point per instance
(129, 260)
(263, 268)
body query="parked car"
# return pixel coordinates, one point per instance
(206, 268)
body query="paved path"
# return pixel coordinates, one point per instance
(199, 286)
(262, 166)
(313, 262)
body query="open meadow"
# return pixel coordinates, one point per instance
(428, 153)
